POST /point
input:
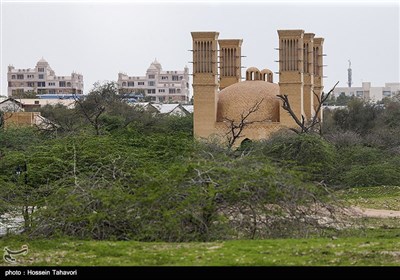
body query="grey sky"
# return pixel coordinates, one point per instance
(99, 40)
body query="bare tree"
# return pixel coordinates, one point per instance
(95, 104)
(6, 112)
(236, 127)
(92, 112)
(307, 126)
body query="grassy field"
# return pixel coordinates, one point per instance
(382, 197)
(372, 241)
(377, 247)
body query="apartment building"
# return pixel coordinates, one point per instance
(369, 93)
(157, 85)
(43, 81)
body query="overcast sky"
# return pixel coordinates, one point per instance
(101, 39)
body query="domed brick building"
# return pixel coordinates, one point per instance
(221, 99)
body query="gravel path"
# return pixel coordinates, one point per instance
(376, 213)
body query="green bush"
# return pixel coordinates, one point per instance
(366, 166)
(180, 192)
(308, 153)
(372, 175)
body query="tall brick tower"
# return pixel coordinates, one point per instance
(205, 82)
(230, 62)
(308, 76)
(291, 79)
(318, 69)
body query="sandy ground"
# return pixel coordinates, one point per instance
(376, 213)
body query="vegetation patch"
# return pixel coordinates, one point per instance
(342, 251)
(379, 197)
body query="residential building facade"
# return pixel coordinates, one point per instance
(33, 104)
(369, 93)
(157, 85)
(43, 81)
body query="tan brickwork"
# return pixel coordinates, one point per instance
(318, 70)
(19, 118)
(230, 62)
(300, 72)
(308, 68)
(205, 82)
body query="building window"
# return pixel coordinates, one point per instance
(164, 78)
(40, 69)
(171, 90)
(175, 78)
(178, 90)
(41, 76)
(131, 84)
(31, 84)
(152, 76)
(62, 84)
(68, 84)
(31, 76)
(150, 91)
(41, 84)
(52, 84)
(180, 77)
(359, 93)
(13, 92)
(161, 90)
(36, 102)
(20, 77)
(124, 84)
(52, 91)
(151, 83)
(141, 83)
(13, 77)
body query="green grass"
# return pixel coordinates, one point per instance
(380, 248)
(380, 197)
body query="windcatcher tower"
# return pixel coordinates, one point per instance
(205, 82)
(230, 62)
(318, 69)
(291, 80)
(308, 76)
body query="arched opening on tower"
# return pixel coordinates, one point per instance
(266, 75)
(253, 74)
(245, 144)
(270, 78)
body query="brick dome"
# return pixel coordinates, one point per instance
(239, 98)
